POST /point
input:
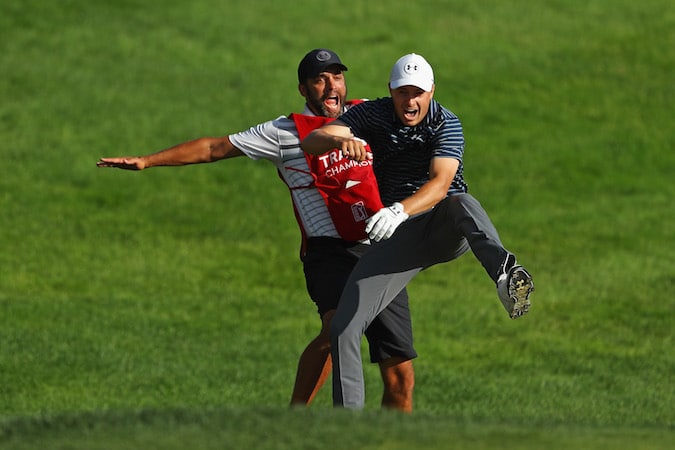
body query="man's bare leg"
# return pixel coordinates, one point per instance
(314, 366)
(398, 377)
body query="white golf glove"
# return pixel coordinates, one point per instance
(383, 223)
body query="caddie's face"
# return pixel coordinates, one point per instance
(411, 104)
(326, 94)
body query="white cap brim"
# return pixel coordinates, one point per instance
(423, 84)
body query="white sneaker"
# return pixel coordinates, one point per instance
(514, 287)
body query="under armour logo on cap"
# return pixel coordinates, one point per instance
(412, 70)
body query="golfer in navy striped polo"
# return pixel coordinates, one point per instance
(429, 217)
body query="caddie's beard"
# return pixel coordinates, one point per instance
(318, 104)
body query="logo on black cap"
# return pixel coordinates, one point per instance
(323, 55)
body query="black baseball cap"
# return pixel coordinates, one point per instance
(316, 62)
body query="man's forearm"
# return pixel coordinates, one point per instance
(202, 150)
(319, 142)
(425, 198)
(191, 152)
(442, 172)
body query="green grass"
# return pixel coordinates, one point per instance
(168, 307)
(263, 429)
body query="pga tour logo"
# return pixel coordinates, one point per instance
(359, 211)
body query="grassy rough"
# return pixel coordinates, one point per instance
(179, 292)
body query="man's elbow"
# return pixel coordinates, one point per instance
(440, 192)
(304, 146)
(311, 144)
(441, 196)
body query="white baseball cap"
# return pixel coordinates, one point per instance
(413, 70)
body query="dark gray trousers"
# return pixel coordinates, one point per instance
(446, 232)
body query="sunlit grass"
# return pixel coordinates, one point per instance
(180, 289)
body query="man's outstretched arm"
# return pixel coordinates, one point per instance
(202, 150)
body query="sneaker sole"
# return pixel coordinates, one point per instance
(520, 288)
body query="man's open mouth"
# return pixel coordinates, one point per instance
(332, 102)
(410, 113)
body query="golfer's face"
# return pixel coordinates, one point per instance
(326, 93)
(411, 104)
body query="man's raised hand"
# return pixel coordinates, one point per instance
(127, 163)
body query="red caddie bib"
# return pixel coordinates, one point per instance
(348, 187)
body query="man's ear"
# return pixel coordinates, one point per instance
(302, 89)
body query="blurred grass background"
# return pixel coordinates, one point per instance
(180, 288)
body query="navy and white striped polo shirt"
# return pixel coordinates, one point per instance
(401, 154)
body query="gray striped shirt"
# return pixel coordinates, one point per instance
(277, 141)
